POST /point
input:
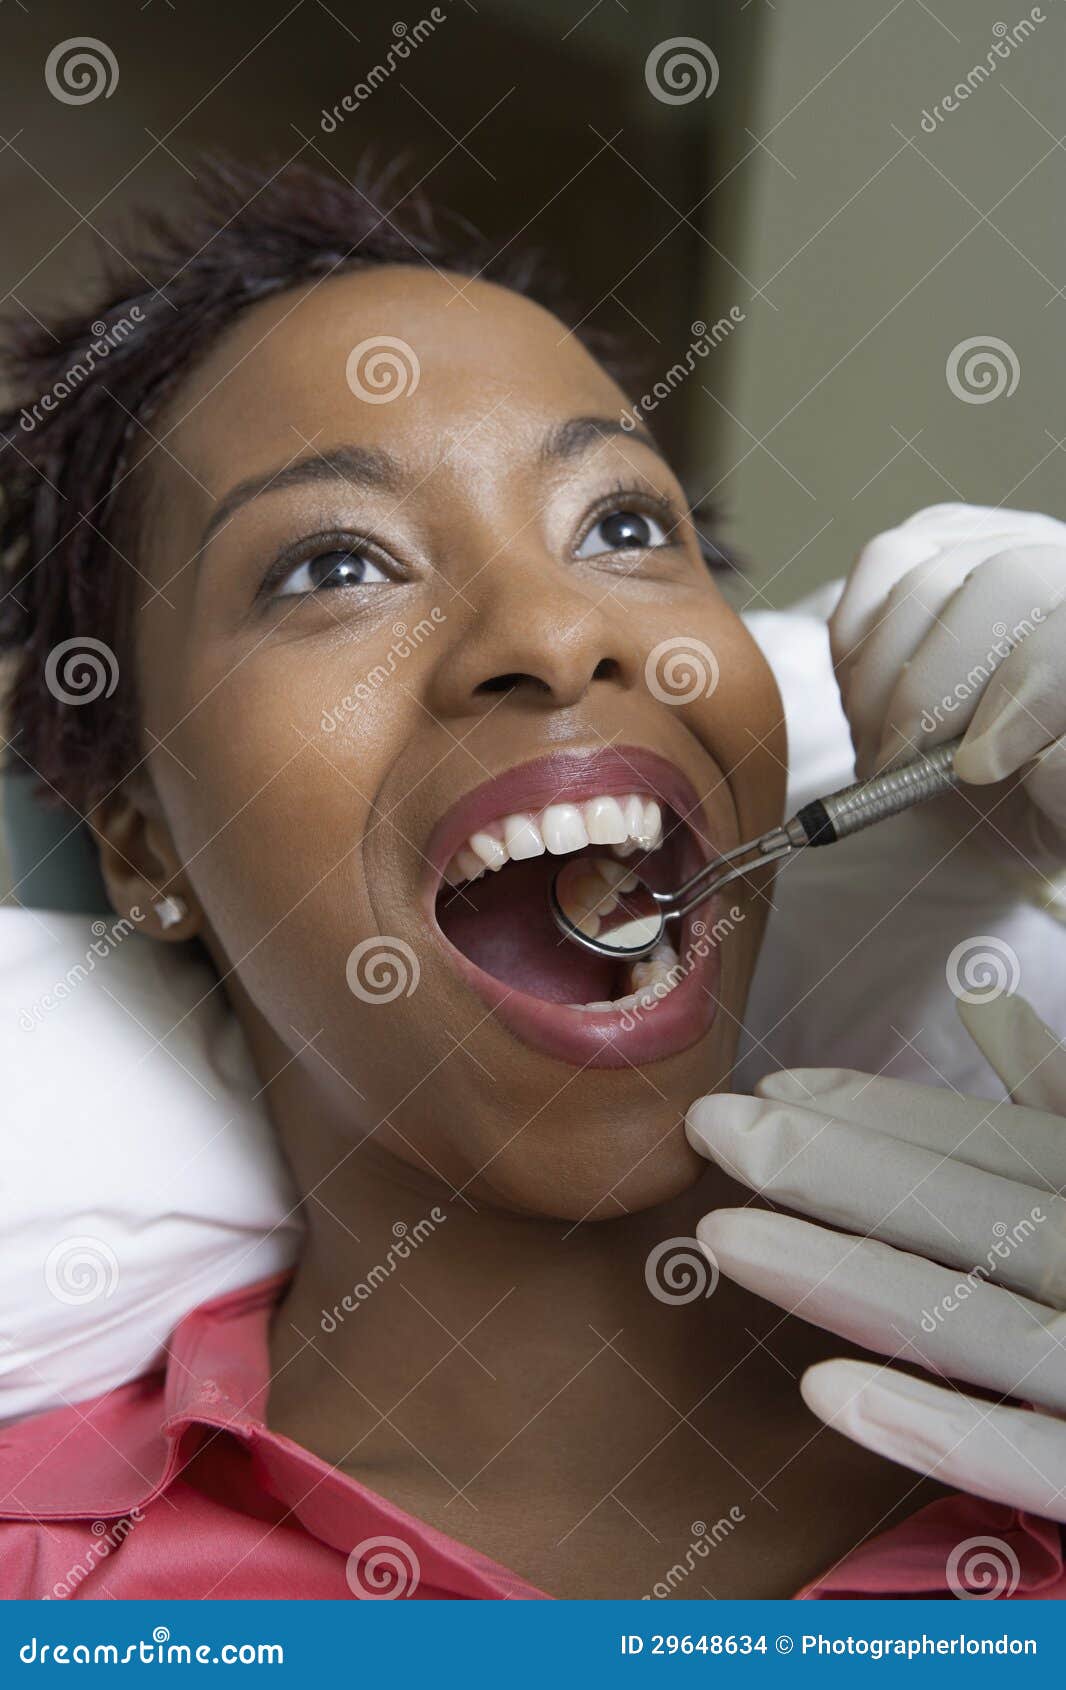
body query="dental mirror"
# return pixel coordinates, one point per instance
(603, 906)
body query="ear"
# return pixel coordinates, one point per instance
(140, 865)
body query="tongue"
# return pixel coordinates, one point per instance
(502, 923)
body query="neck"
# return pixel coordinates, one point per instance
(424, 1331)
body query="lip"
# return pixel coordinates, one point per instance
(588, 1038)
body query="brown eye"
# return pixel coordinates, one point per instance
(622, 530)
(328, 570)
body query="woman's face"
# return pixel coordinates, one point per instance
(391, 621)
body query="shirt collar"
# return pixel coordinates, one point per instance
(959, 1541)
(103, 1458)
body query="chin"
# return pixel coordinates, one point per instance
(596, 1145)
(595, 1184)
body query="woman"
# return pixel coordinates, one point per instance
(390, 581)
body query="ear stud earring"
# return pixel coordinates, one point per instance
(170, 910)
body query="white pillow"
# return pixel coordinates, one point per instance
(140, 1175)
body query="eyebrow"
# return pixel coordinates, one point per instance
(365, 466)
(579, 434)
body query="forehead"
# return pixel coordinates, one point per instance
(393, 356)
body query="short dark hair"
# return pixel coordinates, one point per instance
(88, 383)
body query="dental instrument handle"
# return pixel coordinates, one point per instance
(866, 802)
(822, 822)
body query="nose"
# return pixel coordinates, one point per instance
(543, 643)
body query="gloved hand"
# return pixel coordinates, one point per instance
(960, 1260)
(953, 622)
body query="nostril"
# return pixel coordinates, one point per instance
(606, 670)
(508, 683)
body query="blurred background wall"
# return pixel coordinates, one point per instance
(885, 232)
(800, 175)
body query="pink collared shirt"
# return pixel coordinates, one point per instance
(174, 1486)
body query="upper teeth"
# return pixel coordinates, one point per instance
(628, 823)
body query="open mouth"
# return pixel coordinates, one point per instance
(493, 902)
(495, 858)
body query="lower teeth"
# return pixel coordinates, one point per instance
(653, 978)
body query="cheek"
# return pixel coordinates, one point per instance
(739, 716)
(271, 808)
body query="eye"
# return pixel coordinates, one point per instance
(622, 530)
(330, 570)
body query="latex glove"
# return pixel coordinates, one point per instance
(937, 1185)
(956, 622)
